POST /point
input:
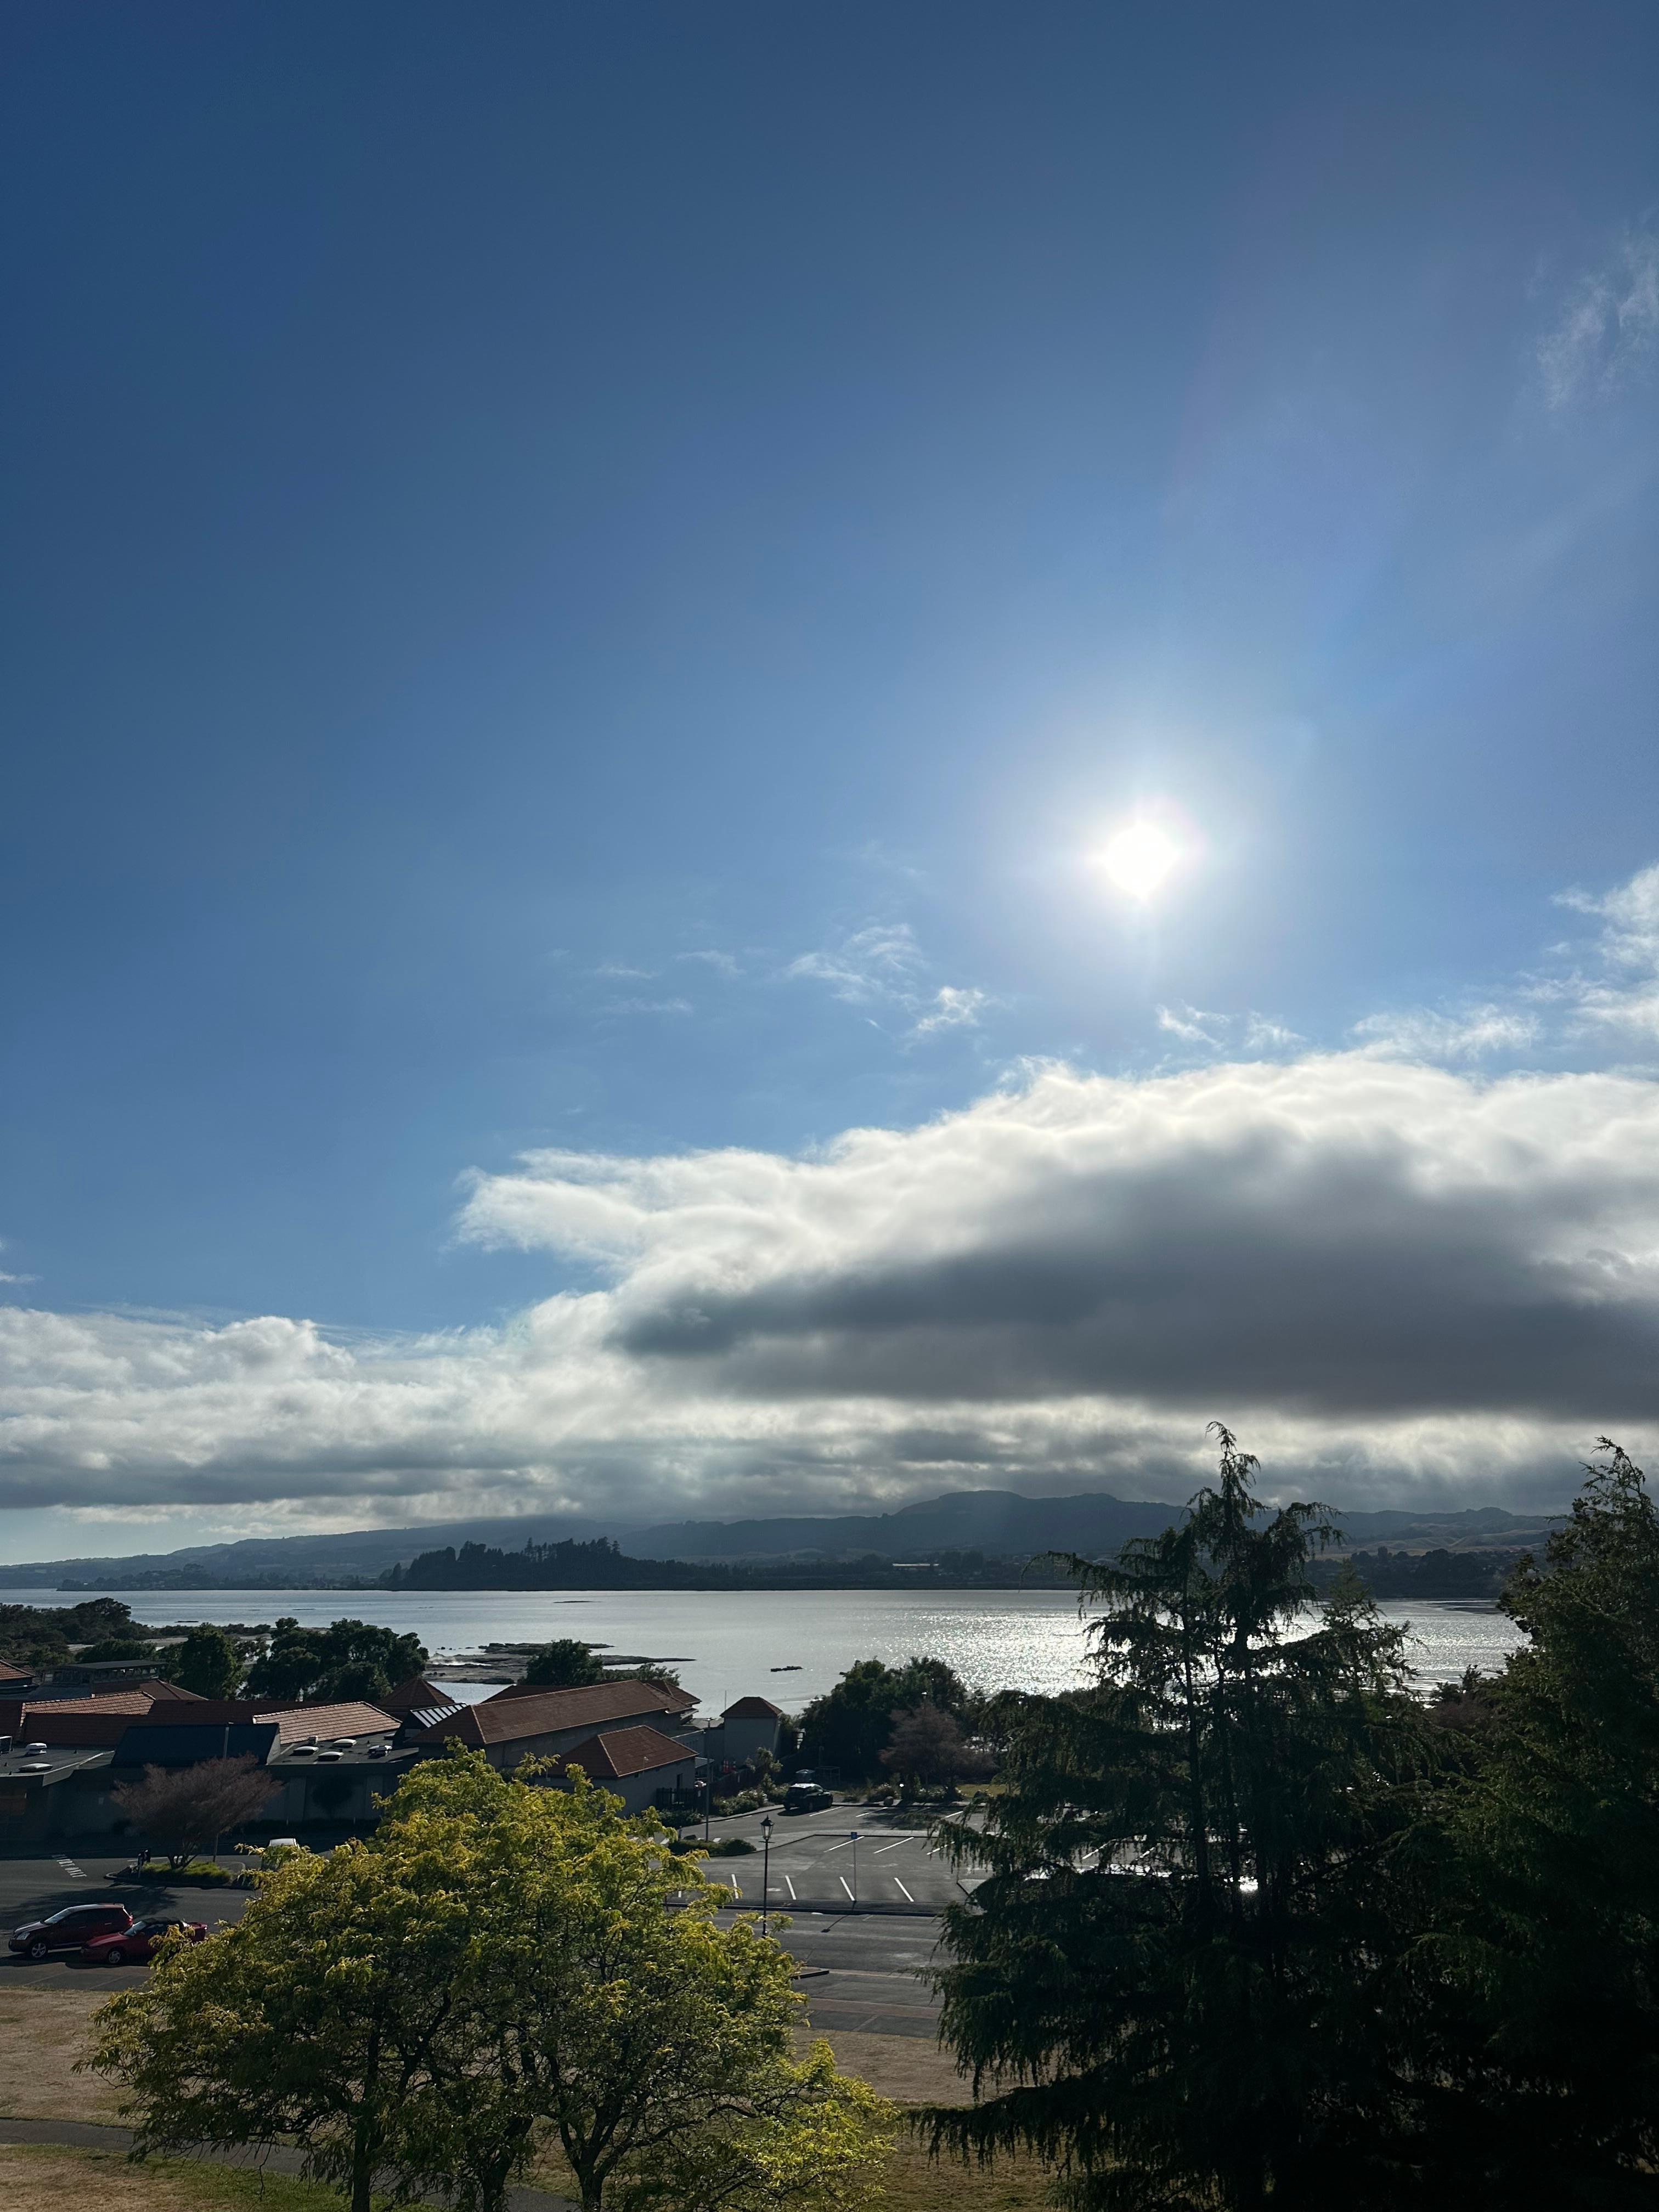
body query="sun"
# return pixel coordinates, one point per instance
(1140, 857)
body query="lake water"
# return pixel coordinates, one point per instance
(728, 1646)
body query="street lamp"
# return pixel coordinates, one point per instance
(766, 1866)
(855, 1869)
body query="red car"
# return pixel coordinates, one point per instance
(136, 1946)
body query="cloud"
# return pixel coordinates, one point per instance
(1474, 1034)
(1606, 338)
(880, 962)
(882, 966)
(1397, 1275)
(952, 1009)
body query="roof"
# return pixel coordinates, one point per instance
(753, 1709)
(667, 1700)
(414, 1695)
(8, 1674)
(551, 1712)
(354, 1718)
(619, 1752)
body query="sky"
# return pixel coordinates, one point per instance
(585, 593)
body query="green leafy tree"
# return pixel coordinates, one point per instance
(208, 1662)
(564, 1664)
(313, 2019)
(117, 1647)
(350, 1659)
(1546, 1912)
(499, 1961)
(1175, 1979)
(654, 2044)
(850, 1726)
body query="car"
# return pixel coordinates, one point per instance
(70, 1929)
(136, 1946)
(807, 1797)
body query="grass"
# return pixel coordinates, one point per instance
(194, 1870)
(44, 2030)
(37, 2177)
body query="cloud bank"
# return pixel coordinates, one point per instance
(1395, 1275)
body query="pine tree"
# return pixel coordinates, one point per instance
(1175, 1978)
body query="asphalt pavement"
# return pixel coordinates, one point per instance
(863, 1904)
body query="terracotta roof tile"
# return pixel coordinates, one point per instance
(753, 1709)
(618, 1753)
(549, 1712)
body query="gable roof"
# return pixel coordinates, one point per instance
(667, 1700)
(753, 1709)
(618, 1753)
(551, 1712)
(414, 1695)
(295, 1721)
(10, 1674)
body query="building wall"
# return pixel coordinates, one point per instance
(738, 1740)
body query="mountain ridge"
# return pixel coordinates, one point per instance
(1000, 1523)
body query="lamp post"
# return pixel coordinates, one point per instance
(855, 1869)
(766, 1867)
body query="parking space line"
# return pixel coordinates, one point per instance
(883, 1849)
(846, 1844)
(842, 1879)
(736, 1892)
(907, 1898)
(790, 1886)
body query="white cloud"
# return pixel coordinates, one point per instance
(952, 1009)
(1608, 328)
(1477, 1033)
(880, 962)
(1394, 1275)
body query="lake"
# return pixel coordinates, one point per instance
(727, 1645)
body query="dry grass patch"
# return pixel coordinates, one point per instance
(42, 2033)
(35, 2179)
(911, 2069)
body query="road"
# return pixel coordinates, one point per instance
(860, 1970)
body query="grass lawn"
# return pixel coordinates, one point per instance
(44, 2030)
(35, 2179)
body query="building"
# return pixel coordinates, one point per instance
(543, 1723)
(641, 1765)
(752, 1725)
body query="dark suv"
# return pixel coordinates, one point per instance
(69, 1929)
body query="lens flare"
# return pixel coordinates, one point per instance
(1138, 858)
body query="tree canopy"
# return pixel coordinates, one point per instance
(850, 1727)
(1168, 1980)
(323, 1666)
(566, 1663)
(498, 1967)
(184, 1808)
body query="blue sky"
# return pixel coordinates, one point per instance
(591, 583)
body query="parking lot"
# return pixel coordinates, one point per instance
(864, 1917)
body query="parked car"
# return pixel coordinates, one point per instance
(70, 1929)
(136, 1946)
(807, 1797)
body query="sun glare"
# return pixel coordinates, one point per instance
(1138, 858)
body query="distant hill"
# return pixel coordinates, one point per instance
(998, 1522)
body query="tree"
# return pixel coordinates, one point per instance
(208, 1662)
(117, 1647)
(350, 1659)
(1545, 1914)
(184, 1808)
(652, 1671)
(927, 1746)
(654, 2043)
(313, 2019)
(849, 1726)
(499, 1960)
(564, 1664)
(1177, 1979)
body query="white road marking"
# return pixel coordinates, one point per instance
(898, 1846)
(736, 1892)
(846, 1844)
(74, 1872)
(790, 1886)
(842, 1879)
(907, 1898)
